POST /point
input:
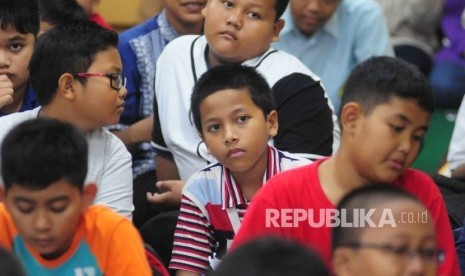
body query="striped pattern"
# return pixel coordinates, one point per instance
(204, 229)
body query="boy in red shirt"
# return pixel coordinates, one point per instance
(386, 107)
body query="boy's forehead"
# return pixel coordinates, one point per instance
(59, 189)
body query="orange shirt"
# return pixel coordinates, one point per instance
(104, 241)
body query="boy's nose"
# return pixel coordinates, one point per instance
(230, 136)
(234, 19)
(41, 223)
(123, 92)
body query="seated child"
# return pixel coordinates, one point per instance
(57, 12)
(239, 33)
(386, 107)
(46, 218)
(234, 112)
(76, 73)
(401, 240)
(271, 257)
(19, 25)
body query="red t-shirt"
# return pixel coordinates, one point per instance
(300, 189)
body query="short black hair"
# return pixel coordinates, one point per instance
(280, 6)
(377, 80)
(271, 256)
(67, 48)
(42, 151)
(57, 12)
(366, 197)
(22, 15)
(233, 76)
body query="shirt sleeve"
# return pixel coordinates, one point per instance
(193, 240)
(115, 189)
(304, 116)
(456, 154)
(126, 255)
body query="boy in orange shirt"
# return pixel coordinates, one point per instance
(46, 218)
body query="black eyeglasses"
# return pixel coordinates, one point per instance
(426, 254)
(117, 80)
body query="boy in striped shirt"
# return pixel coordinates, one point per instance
(234, 112)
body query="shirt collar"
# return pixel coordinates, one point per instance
(167, 31)
(231, 192)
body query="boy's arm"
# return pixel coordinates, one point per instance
(305, 118)
(138, 132)
(192, 232)
(115, 188)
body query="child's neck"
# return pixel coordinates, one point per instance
(249, 183)
(338, 178)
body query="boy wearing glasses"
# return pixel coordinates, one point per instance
(404, 246)
(386, 107)
(76, 73)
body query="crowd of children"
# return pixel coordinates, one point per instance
(279, 135)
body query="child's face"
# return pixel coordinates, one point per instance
(310, 15)
(236, 131)
(98, 104)
(46, 219)
(15, 52)
(239, 30)
(393, 251)
(184, 13)
(385, 142)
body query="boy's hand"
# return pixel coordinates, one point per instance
(6, 91)
(168, 195)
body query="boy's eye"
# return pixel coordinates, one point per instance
(213, 128)
(24, 208)
(227, 4)
(58, 207)
(253, 15)
(418, 138)
(15, 47)
(242, 119)
(397, 128)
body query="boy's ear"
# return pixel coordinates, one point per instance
(66, 86)
(350, 114)
(277, 28)
(341, 261)
(88, 194)
(272, 123)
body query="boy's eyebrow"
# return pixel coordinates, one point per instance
(17, 37)
(27, 200)
(407, 120)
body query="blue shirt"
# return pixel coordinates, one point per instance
(356, 31)
(29, 102)
(140, 48)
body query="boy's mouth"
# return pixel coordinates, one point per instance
(194, 7)
(229, 35)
